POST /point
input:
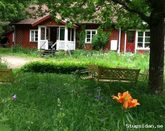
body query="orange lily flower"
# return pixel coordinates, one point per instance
(122, 97)
(126, 99)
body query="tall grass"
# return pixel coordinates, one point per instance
(17, 50)
(54, 102)
(81, 57)
(110, 59)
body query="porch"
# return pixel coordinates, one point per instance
(56, 37)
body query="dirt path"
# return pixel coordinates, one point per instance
(17, 62)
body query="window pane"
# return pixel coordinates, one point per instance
(88, 32)
(69, 34)
(88, 36)
(32, 35)
(36, 35)
(62, 33)
(36, 32)
(42, 33)
(147, 39)
(140, 39)
(47, 33)
(32, 39)
(140, 33)
(147, 45)
(147, 33)
(140, 45)
(72, 34)
(88, 40)
(93, 32)
(57, 37)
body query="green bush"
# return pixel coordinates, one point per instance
(50, 67)
(100, 39)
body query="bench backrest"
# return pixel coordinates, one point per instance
(118, 74)
(6, 75)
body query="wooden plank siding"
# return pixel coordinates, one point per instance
(22, 37)
(113, 36)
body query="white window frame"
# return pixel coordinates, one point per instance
(90, 30)
(34, 30)
(143, 42)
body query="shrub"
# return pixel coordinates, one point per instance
(100, 39)
(50, 67)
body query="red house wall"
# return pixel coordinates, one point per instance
(10, 39)
(22, 37)
(113, 36)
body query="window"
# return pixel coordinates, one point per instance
(33, 35)
(43, 33)
(70, 34)
(61, 33)
(48, 33)
(143, 41)
(89, 35)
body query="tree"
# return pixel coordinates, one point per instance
(150, 11)
(11, 11)
(127, 13)
(153, 13)
(100, 39)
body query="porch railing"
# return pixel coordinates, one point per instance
(60, 45)
(70, 45)
(65, 45)
(43, 44)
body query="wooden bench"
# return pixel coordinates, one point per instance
(117, 75)
(89, 73)
(101, 74)
(6, 76)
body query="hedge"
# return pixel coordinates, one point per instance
(51, 67)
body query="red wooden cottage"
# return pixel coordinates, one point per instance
(44, 32)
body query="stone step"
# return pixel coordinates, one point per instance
(48, 52)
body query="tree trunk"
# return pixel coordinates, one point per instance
(156, 63)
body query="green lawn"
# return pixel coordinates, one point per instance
(62, 102)
(50, 102)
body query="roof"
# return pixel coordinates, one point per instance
(32, 21)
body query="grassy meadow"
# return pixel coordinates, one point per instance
(63, 102)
